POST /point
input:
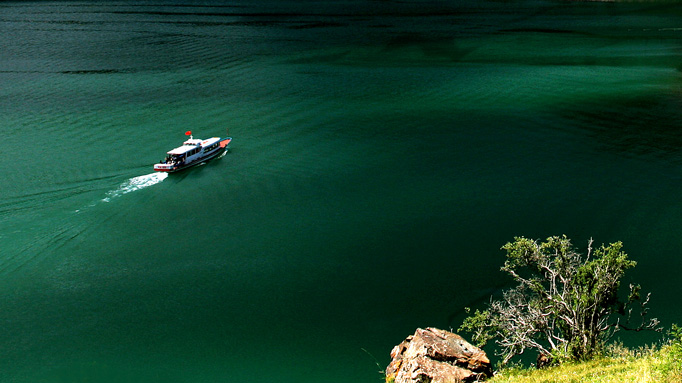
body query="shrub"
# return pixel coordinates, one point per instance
(563, 303)
(671, 355)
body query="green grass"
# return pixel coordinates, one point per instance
(620, 365)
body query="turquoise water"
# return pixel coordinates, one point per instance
(383, 152)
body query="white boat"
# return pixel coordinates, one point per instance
(192, 152)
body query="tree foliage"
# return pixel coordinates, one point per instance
(564, 302)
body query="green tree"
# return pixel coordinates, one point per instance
(564, 303)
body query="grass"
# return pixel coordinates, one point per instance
(619, 365)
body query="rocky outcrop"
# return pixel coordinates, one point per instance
(437, 356)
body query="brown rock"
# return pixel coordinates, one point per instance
(437, 356)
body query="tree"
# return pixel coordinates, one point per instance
(564, 303)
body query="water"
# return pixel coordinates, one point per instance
(383, 152)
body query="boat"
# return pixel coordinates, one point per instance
(193, 151)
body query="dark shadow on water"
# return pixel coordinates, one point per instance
(633, 125)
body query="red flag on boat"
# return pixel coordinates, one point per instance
(188, 133)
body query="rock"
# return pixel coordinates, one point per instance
(437, 356)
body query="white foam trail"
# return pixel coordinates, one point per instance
(136, 183)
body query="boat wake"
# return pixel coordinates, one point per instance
(136, 183)
(33, 241)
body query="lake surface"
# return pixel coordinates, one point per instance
(383, 153)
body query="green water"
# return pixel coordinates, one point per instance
(383, 152)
